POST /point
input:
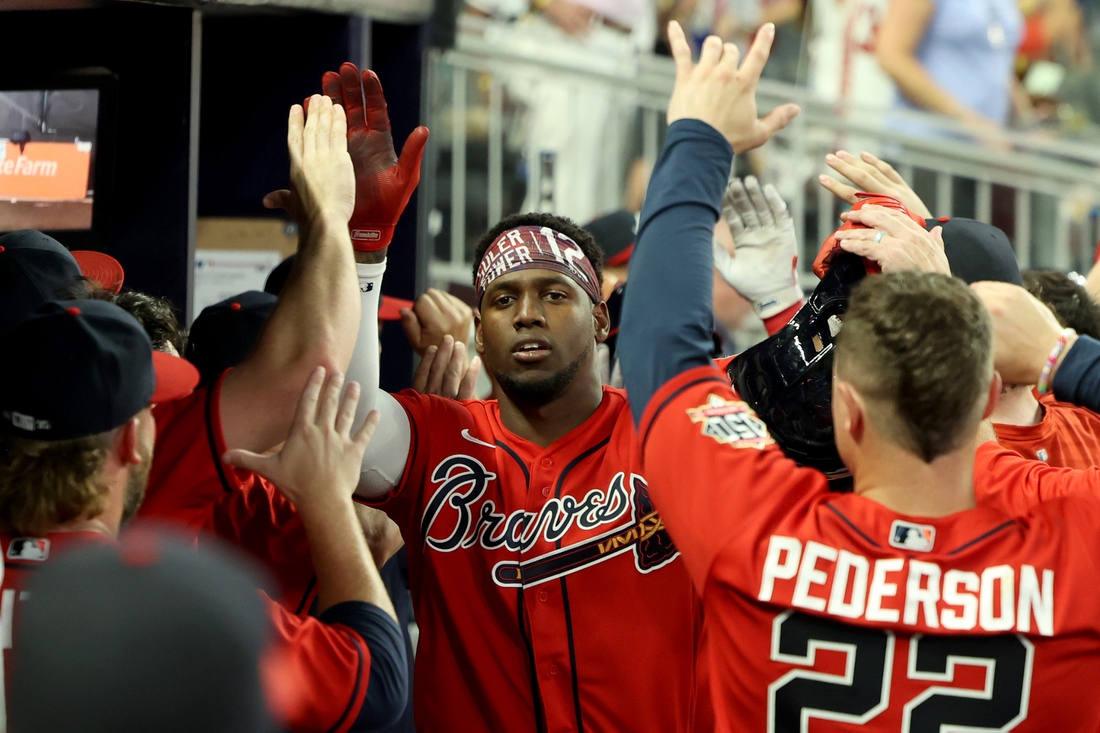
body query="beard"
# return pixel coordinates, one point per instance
(542, 391)
(135, 486)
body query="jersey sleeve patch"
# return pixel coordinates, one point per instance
(731, 422)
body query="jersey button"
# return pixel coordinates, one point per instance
(547, 462)
(544, 596)
(546, 491)
(553, 670)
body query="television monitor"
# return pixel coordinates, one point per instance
(55, 155)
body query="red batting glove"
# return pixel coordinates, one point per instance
(831, 247)
(383, 183)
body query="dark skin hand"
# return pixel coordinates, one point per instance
(534, 325)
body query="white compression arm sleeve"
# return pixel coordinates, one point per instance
(384, 460)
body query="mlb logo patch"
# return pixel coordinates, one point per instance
(910, 536)
(29, 548)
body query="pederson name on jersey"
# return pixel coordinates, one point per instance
(902, 591)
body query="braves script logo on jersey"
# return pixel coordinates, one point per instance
(731, 422)
(459, 503)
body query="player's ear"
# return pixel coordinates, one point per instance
(127, 443)
(849, 413)
(601, 319)
(479, 338)
(995, 388)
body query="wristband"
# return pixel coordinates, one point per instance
(775, 303)
(1044, 378)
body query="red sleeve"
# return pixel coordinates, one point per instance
(265, 524)
(735, 475)
(317, 675)
(1016, 485)
(187, 475)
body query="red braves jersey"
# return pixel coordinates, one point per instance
(188, 475)
(22, 556)
(265, 524)
(1067, 436)
(1017, 485)
(316, 675)
(548, 594)
(829, 612)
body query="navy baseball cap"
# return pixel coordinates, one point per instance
(225, 333)
(146, 634)
(614, 233)
(36, 268)
(82, 367)
(977, 251)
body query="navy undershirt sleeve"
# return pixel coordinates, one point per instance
(668, 315)
(387, 690)
(1078, 378)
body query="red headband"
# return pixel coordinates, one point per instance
(536, 248)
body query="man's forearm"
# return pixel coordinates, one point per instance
(345, 569)
(313, 324)
(668, 312)
(318, 312)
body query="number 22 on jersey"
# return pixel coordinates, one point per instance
(855, 687)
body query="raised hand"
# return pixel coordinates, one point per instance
(383, 183)
(719, 93)
(446, 371)
(319, 465)
(436, 314)
(871, 175)
(321, 177)
(762, 267)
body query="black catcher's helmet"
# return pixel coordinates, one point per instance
(788, 378)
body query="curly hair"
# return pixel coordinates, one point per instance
(1072, 305)
(155, 314)
(44, 484)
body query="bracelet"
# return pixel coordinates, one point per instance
(1044, 378)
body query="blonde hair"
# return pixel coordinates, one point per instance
(44, 484)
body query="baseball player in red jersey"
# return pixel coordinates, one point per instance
(548, 594)
(314, 322)
(347, 667)
(71, 476)
(1046, 428)
(1065, 435)
(902, 605)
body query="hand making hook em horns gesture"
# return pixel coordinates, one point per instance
(719, 92)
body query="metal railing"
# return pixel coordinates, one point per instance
(1042, 190)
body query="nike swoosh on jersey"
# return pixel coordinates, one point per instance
(472, 439)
